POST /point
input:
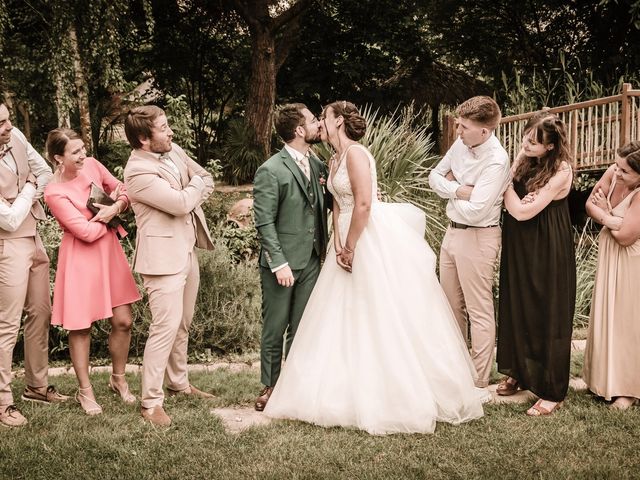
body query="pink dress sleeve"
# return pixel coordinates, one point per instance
(72, 219)
(110, 183)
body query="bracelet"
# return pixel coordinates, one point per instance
(121, 208)
(347, 249)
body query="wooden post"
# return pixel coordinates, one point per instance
(448, 133)
(625, 116)
(573, 138)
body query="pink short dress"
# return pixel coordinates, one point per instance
(93, 275)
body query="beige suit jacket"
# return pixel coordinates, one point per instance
(169, 218)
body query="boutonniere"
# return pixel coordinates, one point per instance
(322, 180)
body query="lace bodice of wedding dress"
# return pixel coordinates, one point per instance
(340, 187)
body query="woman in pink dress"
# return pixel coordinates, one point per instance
(93, 278)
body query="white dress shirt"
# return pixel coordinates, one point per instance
(12, 215)
(486, 168)
(301, 159)
(38, 166)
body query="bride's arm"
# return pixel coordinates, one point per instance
(337, 244)
(360, 178)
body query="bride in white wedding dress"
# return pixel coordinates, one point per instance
(377, 347)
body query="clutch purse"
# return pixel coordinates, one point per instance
(97, 195)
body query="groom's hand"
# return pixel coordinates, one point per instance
(285, 277)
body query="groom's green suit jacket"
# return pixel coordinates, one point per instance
(290, 211)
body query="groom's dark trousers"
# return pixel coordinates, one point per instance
(282, 309)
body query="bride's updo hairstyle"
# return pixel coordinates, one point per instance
(355, 125)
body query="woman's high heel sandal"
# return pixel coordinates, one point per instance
(124, 393)
(537, 410)
(88, 404)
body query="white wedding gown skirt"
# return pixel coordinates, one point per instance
(379, 349)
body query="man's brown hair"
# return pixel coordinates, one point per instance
(287, 119)
(481, 109)
(139, 123)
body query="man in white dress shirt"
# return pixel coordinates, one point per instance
(24, 271)
(473, 176)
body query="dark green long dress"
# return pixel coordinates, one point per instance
(537, 299)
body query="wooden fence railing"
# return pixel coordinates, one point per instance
(596, 128)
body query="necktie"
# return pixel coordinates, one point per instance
(169, 163)
(303, 163)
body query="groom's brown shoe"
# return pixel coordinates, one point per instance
(263, 398)
(156, 415)
(190, 391)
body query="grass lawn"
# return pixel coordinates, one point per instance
(584, 440)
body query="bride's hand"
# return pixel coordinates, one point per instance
(345, 259)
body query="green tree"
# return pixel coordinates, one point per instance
(273, 28)
(200, 50)
(491, 37)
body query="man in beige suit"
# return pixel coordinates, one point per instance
(24, 271)
(166, 189)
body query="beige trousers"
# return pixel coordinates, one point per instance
(24, 285)
(467, 263)
(172, 299)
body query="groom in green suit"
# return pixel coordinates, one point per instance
(291, 217)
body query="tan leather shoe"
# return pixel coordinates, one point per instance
(43, 395)
(10, 416)
(263, 398)
(190, 391)
(156, 415)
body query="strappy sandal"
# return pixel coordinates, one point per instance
(506, 388)
(126, 396)
(537, 410)
(91, 411)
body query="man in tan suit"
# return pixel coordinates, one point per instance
(166, 189)
(24, 270)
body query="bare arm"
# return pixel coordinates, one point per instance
(629, 231)
(597, 209)
(360, 178)
(557, 184)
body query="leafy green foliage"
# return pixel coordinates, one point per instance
(586, 263)
(240, 154)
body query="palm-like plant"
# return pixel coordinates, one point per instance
(586, 263)
(402, 147)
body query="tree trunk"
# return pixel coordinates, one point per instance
(62, 110)
(262, 88)
(26, 119)
(82, 90)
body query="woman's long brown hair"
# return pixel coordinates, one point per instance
(547, 129)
